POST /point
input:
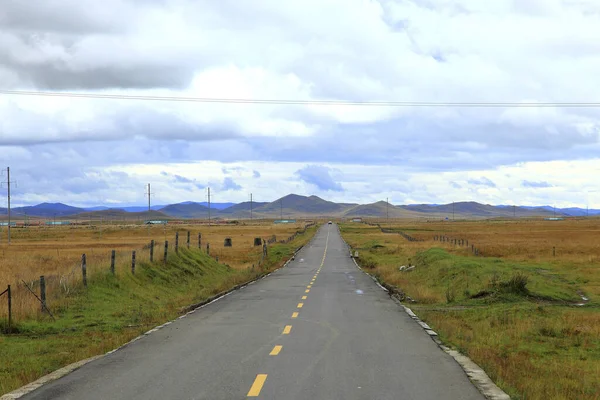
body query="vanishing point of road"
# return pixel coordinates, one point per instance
(316, 329)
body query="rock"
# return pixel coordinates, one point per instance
(402, 268)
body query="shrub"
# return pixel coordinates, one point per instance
(517, 284)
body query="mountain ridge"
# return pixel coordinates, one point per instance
(294, 205)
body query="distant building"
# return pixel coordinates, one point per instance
(6, 223)
(356, 219)
(58, 222)
(284, 221)
(156, 222)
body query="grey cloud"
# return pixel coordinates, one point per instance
(455, 185)
(255, 174)
(532, 184)
(229, 184)
(182, 179)
(320, 177)
(483, 181)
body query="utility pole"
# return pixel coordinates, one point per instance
(149, 193)
(250, 206)
(8, 183)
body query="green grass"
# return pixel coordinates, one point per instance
(114, 310)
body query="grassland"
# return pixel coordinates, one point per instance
(113, 309)
(517, 310)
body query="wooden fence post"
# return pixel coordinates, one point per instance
(553, 251)
(84, 269)
(166, 250)
(208, 249)
(9, 309)
(188, 240)
(43, 291)
(176, 242)
(199, 240)
(113, 255)
(152, 251)
(133, 262)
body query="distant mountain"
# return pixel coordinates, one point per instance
(294, 204)
(100, 208)
(471, 208)
(46, 210)
(378, 209)
(242, 210)
(187, 210)
(118, 214)
(217, 206)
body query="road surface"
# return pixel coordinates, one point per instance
(317, 329)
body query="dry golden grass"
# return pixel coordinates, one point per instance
(56, 252)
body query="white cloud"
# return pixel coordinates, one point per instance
(410, 50)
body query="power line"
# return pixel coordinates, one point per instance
(472, 104)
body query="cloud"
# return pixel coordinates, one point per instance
(320, 177)
(483, 181)
(182, 179)
(229, 184)
(405, 51)
(541, 184)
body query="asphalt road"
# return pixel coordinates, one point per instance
(317, 329)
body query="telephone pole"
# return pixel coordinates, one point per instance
(149, 193)
(8, 183)
(208, 206)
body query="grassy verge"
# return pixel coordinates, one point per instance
(114, 310)
(518, 320)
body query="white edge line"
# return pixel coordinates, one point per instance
(61, 372)
(474, 372)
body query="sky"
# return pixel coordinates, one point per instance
(92, 152)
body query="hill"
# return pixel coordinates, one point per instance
(241, 210)
(46, 210)
(118, 214)
(294, 204)
(187, 210)
(471, 209)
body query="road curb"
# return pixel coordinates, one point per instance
(474, 372)
(59, 373)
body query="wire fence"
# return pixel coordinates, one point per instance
(32, 297)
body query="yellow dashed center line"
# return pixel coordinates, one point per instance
(307, 291)
(295, 315)
(303, 297)
(300, 305)
(308, 287)
(257, 385)
(287, 329)
(276, 350)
